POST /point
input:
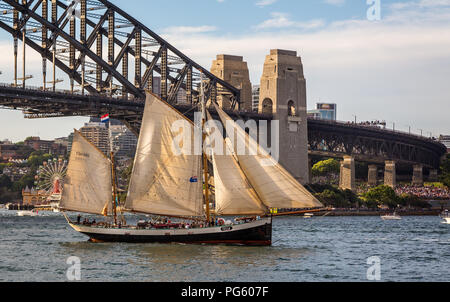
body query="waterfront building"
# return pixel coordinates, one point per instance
(33, 197)
(97, 134)
(46, 146)
(8, 152)
(37, 144)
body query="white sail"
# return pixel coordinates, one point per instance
(276, 187)
(88, 184)
(234, 194)
(164, 182)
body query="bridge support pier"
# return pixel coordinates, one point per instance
(390, 174)
(373, 176)
(283, 94)
(234, 70)
(417, 175)
(310, 166)
(347, 179)
(433, 177)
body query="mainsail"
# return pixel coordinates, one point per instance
(88, 184)
(234, 194)
(164, 182)
(276, 187)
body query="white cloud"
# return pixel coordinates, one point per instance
(395, 69)
(263, 3)
(282, 20)
(335, 2)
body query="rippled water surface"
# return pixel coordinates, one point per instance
(318, 249)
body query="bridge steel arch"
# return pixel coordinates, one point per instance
(55, 28)
(372, 144)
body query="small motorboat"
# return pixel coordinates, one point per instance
(308, 216)
(446, 217)
(27, 213)
(393, 216)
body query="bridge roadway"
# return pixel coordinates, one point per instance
(326, 138)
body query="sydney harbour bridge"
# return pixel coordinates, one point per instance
(71, 36)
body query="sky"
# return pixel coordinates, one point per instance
(391, 63)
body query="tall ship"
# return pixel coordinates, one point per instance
(214, 197)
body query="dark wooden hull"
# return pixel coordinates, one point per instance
(258, 233)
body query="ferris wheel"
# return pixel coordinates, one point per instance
(50, 178)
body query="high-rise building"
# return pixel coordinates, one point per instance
(97, 134)
(324, 111)
(445, 139)
(255, 98)
(124, 141)
(157, 85)
(69, 143)
(182, 96)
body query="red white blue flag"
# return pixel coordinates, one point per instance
(105, 118)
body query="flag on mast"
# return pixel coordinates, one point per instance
(105, 118)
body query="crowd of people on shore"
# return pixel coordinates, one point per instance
(428, 192)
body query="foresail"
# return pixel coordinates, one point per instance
(88, 184)
(276, 187)
(234, 194)
(165, 181)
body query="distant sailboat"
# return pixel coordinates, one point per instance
(170, 185)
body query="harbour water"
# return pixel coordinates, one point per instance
(305, 250)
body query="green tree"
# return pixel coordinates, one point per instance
(5, 182)
(332, 199)
(445, 171)
(413, 201)
(325, 167)
(23, 151)
(382, 195)
(37, 158)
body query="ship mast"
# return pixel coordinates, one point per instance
(113, 174)
(205, 158)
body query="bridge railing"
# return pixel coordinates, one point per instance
(374, 127)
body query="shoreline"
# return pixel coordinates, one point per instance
(379, 213)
